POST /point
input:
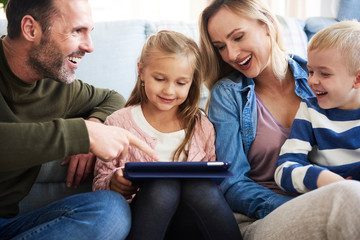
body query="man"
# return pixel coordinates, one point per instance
(42, 112)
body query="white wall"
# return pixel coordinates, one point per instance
(329, 8)
(181, 10)
(304, 9)
(2, 13)
(189, 10)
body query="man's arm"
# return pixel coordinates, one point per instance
(24, 145)
(90, 102)
(96, 105)
(110, 142)
(72, 136)
(80, 166)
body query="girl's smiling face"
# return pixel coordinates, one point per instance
(332, 82)
(167, 79)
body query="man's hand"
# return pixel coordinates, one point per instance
(110, 142)
(80, 167)
(121, 185)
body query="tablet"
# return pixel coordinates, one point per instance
(140, 171)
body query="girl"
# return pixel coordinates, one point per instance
(163, 111)
(256, 89)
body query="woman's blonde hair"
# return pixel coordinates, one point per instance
(345, 37)
(175, 44)
(214, 67)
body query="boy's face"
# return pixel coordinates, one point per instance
(331, 80)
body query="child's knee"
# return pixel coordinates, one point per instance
(162, 192)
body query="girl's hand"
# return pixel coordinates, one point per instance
(121, 185)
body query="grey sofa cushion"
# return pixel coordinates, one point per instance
(3, 24)
(348, 10)
(315, 24)
(50, 186)
(113, 64)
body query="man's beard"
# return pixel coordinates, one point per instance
(48, 62)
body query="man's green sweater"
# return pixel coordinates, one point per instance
(42, 122)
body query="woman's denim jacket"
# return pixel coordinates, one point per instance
(233, 111)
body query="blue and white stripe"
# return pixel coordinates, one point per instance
(319, 139)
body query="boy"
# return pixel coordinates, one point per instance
(323, 145)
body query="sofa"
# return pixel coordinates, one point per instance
(113, 65)
(345, 10)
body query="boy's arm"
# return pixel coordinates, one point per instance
(326, 177)
(294, 172)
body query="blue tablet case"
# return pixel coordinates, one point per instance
(140, 171)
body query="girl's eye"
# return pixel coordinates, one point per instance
(325, 74)
(311, 73)
(181, 83)
(238, 38)
(159, 79)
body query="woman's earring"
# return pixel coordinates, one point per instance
(142, 83)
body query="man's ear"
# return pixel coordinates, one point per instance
(357, 80)
(30, 28)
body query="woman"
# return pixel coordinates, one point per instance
(256, 89)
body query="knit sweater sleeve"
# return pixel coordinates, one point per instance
(208, 130)
(104, 171)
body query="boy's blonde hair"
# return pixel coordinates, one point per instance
(214, 67)
(174, 44)
(344, 36)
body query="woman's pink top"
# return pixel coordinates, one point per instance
(265, 149)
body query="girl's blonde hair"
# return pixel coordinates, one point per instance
(214, 67)
(345, 37)
(176, 44)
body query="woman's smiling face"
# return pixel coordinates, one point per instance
(242, 42)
